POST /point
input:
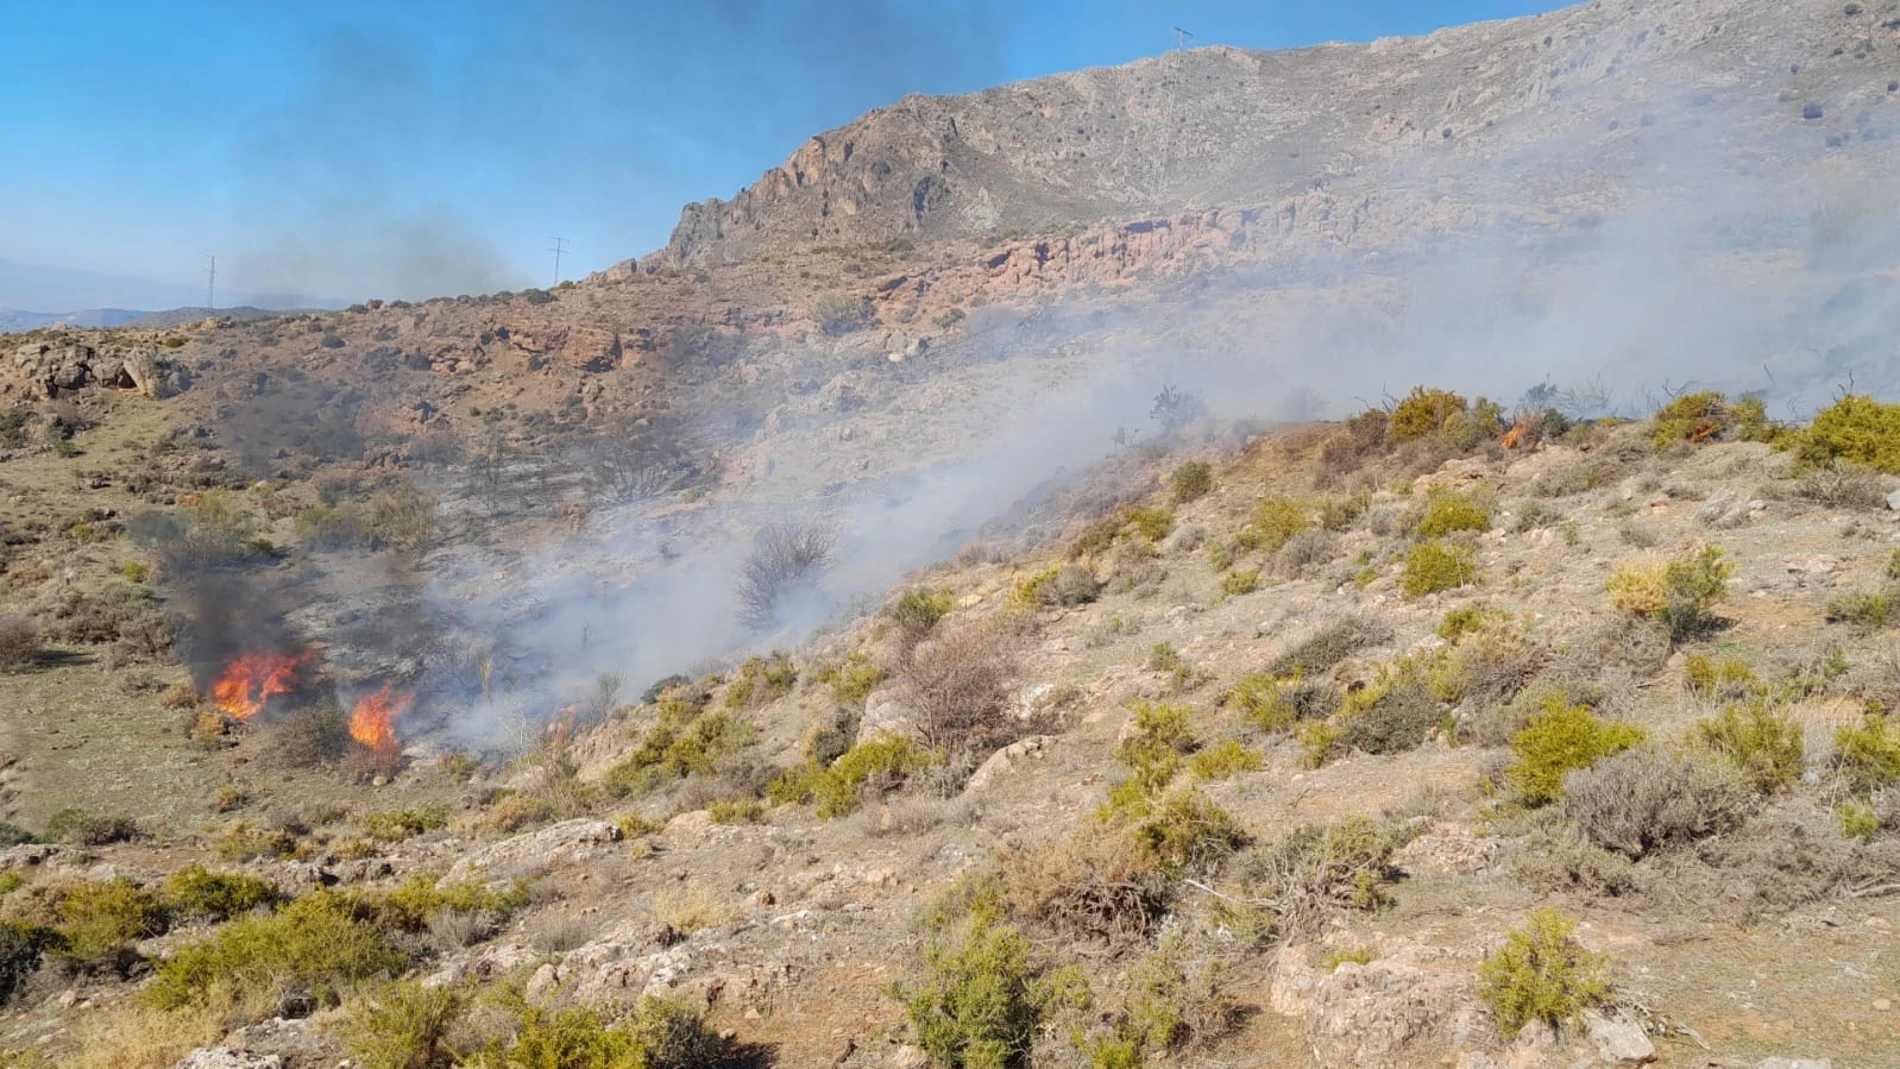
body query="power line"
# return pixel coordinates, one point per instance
(556, 250)
(211, 283)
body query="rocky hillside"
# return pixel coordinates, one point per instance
(1532, 122)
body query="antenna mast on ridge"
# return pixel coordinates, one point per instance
(556, 250)
(1181, 37)
(211, 283)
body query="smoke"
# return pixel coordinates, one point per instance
(408, 164)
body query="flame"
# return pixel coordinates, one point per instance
(253, 679)
(371, 719)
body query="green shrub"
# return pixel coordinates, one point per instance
(1424, 412)
(1855, 428)
(853, 681)
(1871, 611)
(1275, 521)
(656, 1034)
(22, 948)
(1542, 974)
(1436, 566)
(916, 612)
(982, 995)
(1272, 703)
(1859, 820)
(407, 1026)
(761, 680)
(99, 918)
(1447, 513)
(1678, 592)
(1185, 831)
(683, 741)
(80, 828)
(1868, 757)
(1319, 741)
(316, 943)
(217, 896)
(1466, 620)
(409, 906)
(1560, 738)
(1893, 565)
(1318, 870)
(1760, 741)
(1192, 481)
(1220, 556)
(395, 825)
(1392, 716)
(1154, 750)
(1727, 679)
(875, 766)
(1152, 524)
(1224, 760)
(1063, 587)
(736, 811)
(1340, 513)
(1244, 581)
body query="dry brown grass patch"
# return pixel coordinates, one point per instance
(1095, 884)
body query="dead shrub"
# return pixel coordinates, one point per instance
(956, 683)
(315, 736)
(1645, 799)
(1095, 884)
(19, 640)
(1306, 877)
(1842, 484)
(1567, 863)
(1305, 550)
(787, 559)
(1791, 854)
(1332, 644)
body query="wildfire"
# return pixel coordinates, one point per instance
(371, 721)
(253, 679)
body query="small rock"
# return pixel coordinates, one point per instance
(224, 1058)
(1795, 1063)
(1883, 1004)
(1619, 1041)
(908, 1057)
(1893, 501)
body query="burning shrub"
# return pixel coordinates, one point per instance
(787, 560)
(1711, 416)
(316, 944)
(19, 640)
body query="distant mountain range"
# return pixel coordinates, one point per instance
(105, 299)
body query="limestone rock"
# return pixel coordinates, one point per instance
(1893, 501)
(1619, 1041)
(1446, 850)
(885, 715)
(563, 843)
(1002, 761)
(225, 1058)
(1795, 1063)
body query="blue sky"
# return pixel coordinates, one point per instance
(348, 149)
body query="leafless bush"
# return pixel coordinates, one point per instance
(454, 929)
(1639, 535)
(315, 736)
(627, 464)
(956, 684)
(1644, 799)
(788, 557)
(1305, 550)
(559, 932)
(19, 640)
(1792, 854)
(1097, 884)
(1842, 485)
(1564, 862)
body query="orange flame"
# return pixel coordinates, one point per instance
(371, 722)
(253, 679)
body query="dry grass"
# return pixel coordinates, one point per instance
(139, 1037)
(694, 907)
(1095, 884)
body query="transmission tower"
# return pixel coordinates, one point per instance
(556, 250)
(1181, 37)
(211, 284)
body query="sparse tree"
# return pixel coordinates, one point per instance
(787, 557)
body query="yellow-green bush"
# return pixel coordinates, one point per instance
(1424, 411)
(917, 612)
(1240, 581)
(1276, 703)
(409, 906)
(1436, 566)
(1192, 481)
(655, 1034)
(982, 994)
(100, 918)
(1275, 521)
(395, 825)
(761, 680)
(1760, 741)
(1184, 830)
(1560, 738)
(196, 891)
(1447, 513)
(1868, 757)
(1871, 611)
(1728, 678)
(736, 811)
(683, 741)
(1855, 428)
(853, 681)
(1711, 416)
(1154, 750)
(407, 1026)
(1542, 974)
(1678, 592)
(1224, 760)
(879, 764)
(316, 943)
